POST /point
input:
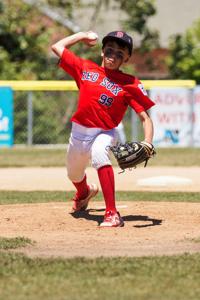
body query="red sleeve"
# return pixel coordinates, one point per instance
(72, 65)
(137, 97)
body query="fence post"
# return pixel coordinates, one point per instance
(30, 119)
(191, 95)
(134, 126)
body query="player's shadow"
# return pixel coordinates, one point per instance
(130, 218)
(86, 215)
(151, 221)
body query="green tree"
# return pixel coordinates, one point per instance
(184, 59)
(138, 12)
(67, 5)
(23, 42)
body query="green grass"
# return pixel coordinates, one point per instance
(144, 278)
(30, 157)
(13, 243)
(176, 157)
(14, 197)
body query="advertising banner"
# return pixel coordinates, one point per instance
(6, 117)
(172, 116)
(196, 125)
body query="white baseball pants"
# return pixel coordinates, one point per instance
(87, 144)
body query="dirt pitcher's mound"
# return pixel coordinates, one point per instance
(150, 229)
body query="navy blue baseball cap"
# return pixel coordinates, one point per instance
(119, 36)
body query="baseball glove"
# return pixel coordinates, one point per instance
(131, 154)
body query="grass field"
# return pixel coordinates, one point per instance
(14, 197)
(29, 157)
(123, 278)
(152, 278)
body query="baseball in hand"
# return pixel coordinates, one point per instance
(93, 37)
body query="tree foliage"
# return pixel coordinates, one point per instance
(138, 12)
(67, 5)
(25, 39)
(20, 42)
(184, 60)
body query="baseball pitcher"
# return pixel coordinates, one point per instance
(105, 93)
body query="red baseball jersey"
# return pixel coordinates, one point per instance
(104, 94)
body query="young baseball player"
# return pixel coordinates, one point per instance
(104, 95)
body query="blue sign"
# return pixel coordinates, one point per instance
(6, 117)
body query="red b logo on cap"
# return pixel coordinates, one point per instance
(120, 34)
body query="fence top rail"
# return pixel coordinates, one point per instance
(70, 85)
(40, 85)
(169, 83)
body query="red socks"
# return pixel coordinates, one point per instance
(107, 181)
(82, 188)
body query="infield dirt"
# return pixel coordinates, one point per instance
(150, 229)
(55, 179)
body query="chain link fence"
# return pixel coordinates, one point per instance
(43, 117)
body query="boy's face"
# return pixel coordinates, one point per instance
(114, 55)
